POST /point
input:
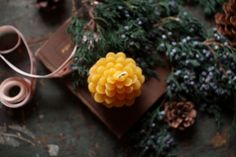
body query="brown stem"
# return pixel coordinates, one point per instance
(207, 43)
(74, 8)
(91, 25)
(212, 41)
(165, 19)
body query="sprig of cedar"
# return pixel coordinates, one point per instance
(153, 137)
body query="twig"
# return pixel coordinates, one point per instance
(22, 129)
(166, 19)
(101, 19)
(18, 137)
(74, 8)
(90, 6)
(207, 43)
(212, 41)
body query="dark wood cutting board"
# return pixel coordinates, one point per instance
(118, 120)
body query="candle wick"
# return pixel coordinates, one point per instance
(122, 74)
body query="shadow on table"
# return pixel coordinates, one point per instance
(54, 16)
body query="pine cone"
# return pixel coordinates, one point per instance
(180, 115)
(226, 21)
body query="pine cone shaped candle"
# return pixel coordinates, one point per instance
(115, 80)
(226, 21)
(180, 115)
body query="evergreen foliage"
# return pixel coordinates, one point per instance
(153, 137)
(155, 33)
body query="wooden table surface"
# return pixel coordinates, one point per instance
(55, 118)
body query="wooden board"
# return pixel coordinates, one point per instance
(118, 120)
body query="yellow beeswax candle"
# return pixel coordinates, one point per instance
(115, 80)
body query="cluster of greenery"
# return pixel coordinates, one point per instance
(159, 33)
(205, 69)
(153, 137)
(133, 27)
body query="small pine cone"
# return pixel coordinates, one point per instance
(226, 21)
(180, 115)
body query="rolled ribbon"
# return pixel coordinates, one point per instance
(10, 39)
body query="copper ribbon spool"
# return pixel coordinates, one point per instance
(10, 40)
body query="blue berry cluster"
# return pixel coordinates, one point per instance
(158, 139)
(202, 71)
(156, 136)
